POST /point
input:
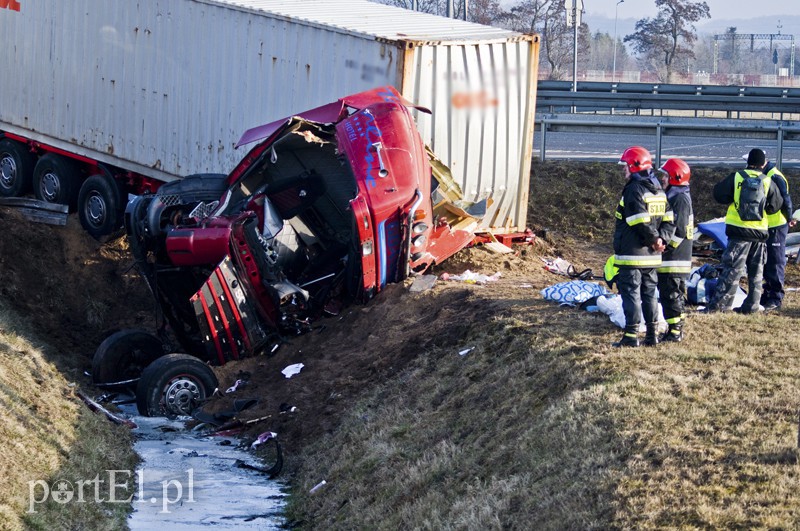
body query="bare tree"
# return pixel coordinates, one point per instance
(487, 12)
(666, 41)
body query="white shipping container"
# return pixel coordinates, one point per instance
(165, 88)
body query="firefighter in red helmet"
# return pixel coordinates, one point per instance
(644, 223)
(676, 262)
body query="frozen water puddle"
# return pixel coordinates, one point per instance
(188, 481)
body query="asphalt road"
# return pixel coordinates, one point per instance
(694, 150)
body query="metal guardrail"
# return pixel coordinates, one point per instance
(779, 132)
(552, 96)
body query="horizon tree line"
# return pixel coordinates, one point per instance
(664, 46)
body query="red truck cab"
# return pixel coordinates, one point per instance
(327, 208)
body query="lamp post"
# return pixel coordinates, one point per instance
(614, 68)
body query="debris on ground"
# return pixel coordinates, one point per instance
(472, 278)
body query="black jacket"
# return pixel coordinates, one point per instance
(643, 215)
(677, 258)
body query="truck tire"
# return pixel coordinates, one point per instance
(100, 205)
(56, 179)
(16, 168)
(174, 385)
(123, 356)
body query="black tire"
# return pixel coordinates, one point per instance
(100, 205)
(16, 168)
(124, 355)
(56, 179)
(174, 385)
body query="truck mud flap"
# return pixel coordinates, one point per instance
(228, 323)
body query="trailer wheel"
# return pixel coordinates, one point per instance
(16, 168)
(123, 356)
(56, 179)
(173, 385)
(99, 205)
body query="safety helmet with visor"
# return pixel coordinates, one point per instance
(636, 158)
(678, 172)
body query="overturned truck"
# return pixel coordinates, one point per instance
(328, 208)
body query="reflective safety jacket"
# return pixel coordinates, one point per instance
(643, 215)
(677, 258)
(727, 192)
(783, 216)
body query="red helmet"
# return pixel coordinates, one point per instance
(678, 172)
(637, 158)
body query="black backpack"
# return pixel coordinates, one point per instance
(752, 198)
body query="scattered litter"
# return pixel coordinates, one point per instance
(499, 248)
(423, 283)
(559, 266)
(286, 408)
(291, 370)
(472, 278)
(526, 286)
(318, 486)
(466, 351)
(261, 439)
(235, 386)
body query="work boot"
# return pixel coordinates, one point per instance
(651, 337)
(630, 338)
(674, 334)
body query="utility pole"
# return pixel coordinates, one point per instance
(614, 68)
(574, 20)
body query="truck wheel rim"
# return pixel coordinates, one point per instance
(180, 395)
(50, 186)
(95, 210)
(8, 171)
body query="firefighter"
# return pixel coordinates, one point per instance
(676, 263)
(779, 223)
(644, 223)
(746, 249)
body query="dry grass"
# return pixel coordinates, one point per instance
(545, 426)
(47, 434)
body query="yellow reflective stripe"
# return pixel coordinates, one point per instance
(617, 215)
(669, 216)
(644, 217)
(674, 320)
(630, 335)
(675, 241)
(635, 260)
(675, 269)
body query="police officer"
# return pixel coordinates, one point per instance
(746, 249)
(676, 262)
(779, 223)
(644, 223)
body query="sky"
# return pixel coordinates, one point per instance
(600, 16)
(723, 9)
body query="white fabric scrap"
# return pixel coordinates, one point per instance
(472, 278)
(611, 305)
(261, 439)
(291, 370)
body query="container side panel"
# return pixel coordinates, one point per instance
(479, 95)
(167, 87)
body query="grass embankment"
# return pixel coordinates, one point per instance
(545, 426)
(48, 435)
